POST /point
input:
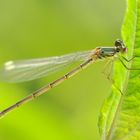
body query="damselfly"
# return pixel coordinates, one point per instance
(25, 70)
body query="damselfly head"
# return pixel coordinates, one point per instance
(120, 46)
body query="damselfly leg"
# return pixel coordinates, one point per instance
(107, 70)
(109, 66)
(128, 60)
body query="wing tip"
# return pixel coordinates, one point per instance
(9, 65)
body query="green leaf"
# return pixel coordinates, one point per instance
(120, 115)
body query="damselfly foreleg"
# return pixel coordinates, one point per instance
(126, 65)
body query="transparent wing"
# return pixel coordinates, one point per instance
(26, 70)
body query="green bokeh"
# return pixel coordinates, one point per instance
(42, 28)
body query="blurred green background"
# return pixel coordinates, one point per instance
(42, 28)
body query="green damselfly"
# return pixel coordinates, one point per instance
(26, 70)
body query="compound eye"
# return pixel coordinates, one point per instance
(118, 42)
